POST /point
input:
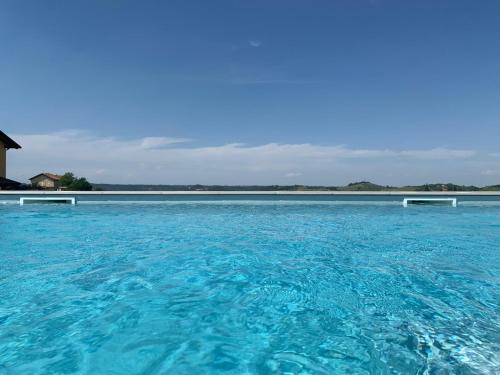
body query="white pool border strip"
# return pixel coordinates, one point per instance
(71, 200)
(260, 192)
(453, 201)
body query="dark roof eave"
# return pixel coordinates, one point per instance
(6, 181)
(8, 142)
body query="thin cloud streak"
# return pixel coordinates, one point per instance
(255, 43)
(168, 160)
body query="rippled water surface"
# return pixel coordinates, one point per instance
(249, 289)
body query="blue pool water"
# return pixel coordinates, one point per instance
(249, 289)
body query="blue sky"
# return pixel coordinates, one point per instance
(396, 85)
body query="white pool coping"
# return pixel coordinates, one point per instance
(274, 192)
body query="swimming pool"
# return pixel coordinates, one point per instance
(250, 287)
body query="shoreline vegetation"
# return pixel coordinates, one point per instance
(356, 186)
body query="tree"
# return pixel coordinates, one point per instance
(80, 184)
(67, 179)
(71, 182)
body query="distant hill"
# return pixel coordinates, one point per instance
(355, 186)
(491, 188)
(365, 186)
(119, 187)
(444, 187)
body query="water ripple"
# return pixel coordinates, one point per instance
(249, 289)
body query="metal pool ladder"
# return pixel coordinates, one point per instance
(423, 200)
(70, 200)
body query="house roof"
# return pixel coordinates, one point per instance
(51, 176)
(6, 183)
(7, 141)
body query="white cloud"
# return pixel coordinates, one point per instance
(440, 154)
(491, 172)
(160, 142)
(255, 43)
(165, 160)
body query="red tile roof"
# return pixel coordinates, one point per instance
(52, 176)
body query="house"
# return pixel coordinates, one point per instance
(48, 181)
(6, 184)
(6, 143)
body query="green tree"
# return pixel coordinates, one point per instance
(80, 184)
(72, 182)
(67, 179)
